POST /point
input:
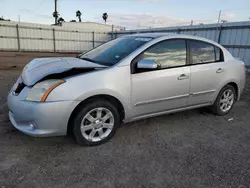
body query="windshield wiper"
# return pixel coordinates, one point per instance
(88, 59)
(97, 62)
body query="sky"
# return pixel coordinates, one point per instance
(132, 14)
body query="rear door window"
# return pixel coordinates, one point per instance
(202, 52)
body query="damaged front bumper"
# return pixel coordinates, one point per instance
(39, 119)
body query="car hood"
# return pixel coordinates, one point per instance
(39, 68)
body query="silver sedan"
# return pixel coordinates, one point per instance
(123, 80)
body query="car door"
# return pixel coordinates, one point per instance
(165, 88)
(207, 71)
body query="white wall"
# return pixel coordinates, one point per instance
(91, 26)
(37, 37)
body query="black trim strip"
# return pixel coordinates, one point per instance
(161, 100)
(237, 46)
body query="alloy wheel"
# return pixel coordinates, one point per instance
(97, 124)
(226, 100)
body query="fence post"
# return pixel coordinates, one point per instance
(93, 38)
(54, 40)
(112, 34)
(219, 37)
(18, 38)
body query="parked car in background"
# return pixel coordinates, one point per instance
(126, 79)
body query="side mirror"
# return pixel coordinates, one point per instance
(147, 64)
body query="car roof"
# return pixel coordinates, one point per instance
(169, 35)
(154, 35)
(174, 35)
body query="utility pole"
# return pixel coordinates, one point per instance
(192, 22)
(219, 17)
(56, 13)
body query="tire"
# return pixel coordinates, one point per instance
(90, 120)
(217, 106)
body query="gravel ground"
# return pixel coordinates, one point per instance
(187, 149)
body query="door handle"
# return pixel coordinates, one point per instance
(183, 77)
(220, 70)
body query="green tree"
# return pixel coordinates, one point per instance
(105, 17)
(60, 20)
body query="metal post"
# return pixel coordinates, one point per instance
(18, 38)
(54, 39)
(56, 14)
(93, 38)
(219, 17)
(192, 22)
(112, 32)
(219, 37)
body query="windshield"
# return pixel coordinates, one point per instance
(115, 50)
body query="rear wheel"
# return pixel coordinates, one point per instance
(224, 101)
(96, 123)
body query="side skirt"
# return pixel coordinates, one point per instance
(167, 112)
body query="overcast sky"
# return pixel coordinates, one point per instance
(129, 13)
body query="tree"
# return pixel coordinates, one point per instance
(105, 17)
(79, 14)
(60, 20)
(2, 19)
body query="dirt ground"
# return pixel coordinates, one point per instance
(193, 149)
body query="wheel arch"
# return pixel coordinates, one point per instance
(236, 87)
(109, 98)
(232, 83)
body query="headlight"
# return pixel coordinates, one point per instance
(41, 90)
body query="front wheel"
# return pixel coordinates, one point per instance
(96, 123)
(224, 101)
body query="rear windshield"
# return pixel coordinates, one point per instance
(115, 50)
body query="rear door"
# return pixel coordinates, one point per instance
(207, 71)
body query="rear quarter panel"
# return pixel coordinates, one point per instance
(234, 72)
